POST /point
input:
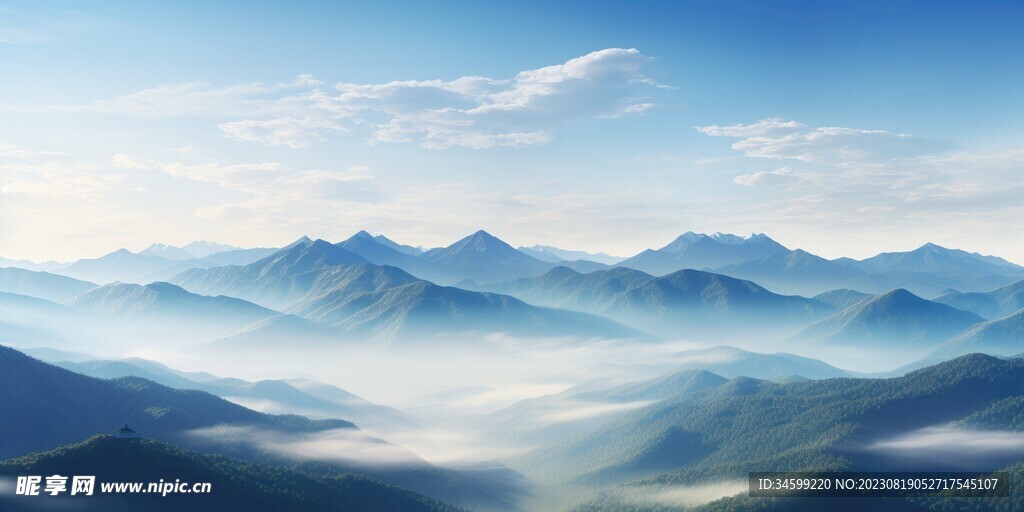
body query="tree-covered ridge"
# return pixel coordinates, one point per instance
(54, 406)
(747, 424)
(235, 485)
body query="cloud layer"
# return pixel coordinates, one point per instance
(471, 111)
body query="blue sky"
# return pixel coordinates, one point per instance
(845, 128)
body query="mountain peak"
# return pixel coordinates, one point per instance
(304, 240)
(899, 294)
(480, 241)
(166, 288)
(689, 237)
(320, 243)
(362, 235)
(727, 238)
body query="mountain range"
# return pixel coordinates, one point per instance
(54, 407)
(294, 396)
(120, 265)
(934, 258)
(333, 286)
(482, 259)
(747, 423)
(896, 318)
(993, 304)
(687, 301)
(733, 362)
(52, 287)
(193, 250)
(800, 272)
(1003, 337)
(699, 251)
(556, 255)
(371, 287)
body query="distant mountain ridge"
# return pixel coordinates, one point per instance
(52, 287)
(897, 317)
(163, 310)
(1003, 337)
(800, 272)
(55, 406)
(556, 255)
(298, 396)
(992, 305)
(120, 265)
(276, 281)
(700, 251)
(935, 258)
(379, 251)
(336, 287)
(731, 362)
(672, 305)
(746, 423)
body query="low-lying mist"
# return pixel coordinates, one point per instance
(950, 448)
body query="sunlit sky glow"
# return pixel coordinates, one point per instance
(844, 128)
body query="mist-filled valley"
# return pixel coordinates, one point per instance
(492, 378)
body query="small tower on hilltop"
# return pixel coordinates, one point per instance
(126, 433)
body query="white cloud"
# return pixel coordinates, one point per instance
(343, 445)
(765, 178)
(778, 139)
(284, 131)
(11, 150)
(203, 99)
(761, 128)
(588, 411)
(471, 111)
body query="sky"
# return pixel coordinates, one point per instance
(843, 128)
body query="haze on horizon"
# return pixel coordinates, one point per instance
(409, 121)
